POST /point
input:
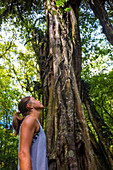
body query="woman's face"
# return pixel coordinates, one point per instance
(36, 103)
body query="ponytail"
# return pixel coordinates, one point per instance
(22, 106)
(17, 120)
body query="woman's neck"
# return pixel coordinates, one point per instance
(35, 113)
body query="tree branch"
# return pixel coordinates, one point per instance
(6, 50)
(99, 10)
(20, 15)
(8, 10)
(110, 4)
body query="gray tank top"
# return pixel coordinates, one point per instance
(38, 150)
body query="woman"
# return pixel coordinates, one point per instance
(32, 140)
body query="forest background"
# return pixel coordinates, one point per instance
(59, 52)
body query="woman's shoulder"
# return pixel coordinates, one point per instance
(29, 121)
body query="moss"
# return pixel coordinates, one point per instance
(71, 153)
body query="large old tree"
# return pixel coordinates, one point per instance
(70, 141)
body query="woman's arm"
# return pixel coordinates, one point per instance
(27, 131)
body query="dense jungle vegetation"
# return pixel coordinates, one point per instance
(60, 52)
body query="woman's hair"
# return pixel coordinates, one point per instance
(22, 107)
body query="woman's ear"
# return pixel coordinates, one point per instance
(29, 106)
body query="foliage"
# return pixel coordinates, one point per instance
(63, 3)
(26, 69)
(97, 70)
(97, 52)
(19, 73)
(101, 92)
(8, 150)
(25, 16)
(7, 94)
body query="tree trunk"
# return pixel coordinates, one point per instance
(68, 141)
(69, 144)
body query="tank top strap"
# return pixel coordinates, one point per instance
(39, 123)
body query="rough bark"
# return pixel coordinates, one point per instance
(66, 137)
(77, 56)
(68, 140)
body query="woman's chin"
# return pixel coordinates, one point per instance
(42, 106)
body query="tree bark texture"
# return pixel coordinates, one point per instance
(69, 143)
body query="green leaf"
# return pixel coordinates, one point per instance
(67, 9)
